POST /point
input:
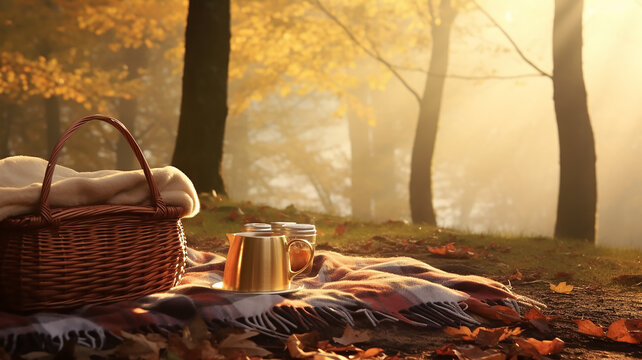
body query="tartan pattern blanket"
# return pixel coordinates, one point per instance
(340, 290)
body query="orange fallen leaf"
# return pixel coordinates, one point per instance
(372, 352)
(589, 328)
(562, 288)
(296, 348)
(339, 230)
(239, 343)
(534, 313)
(463, 331)
(351, 336)
(543, 347)
(621, 331)
(539, 320)
(452, 251)
(446, 350)
(497, 312)
(483, 336)
(470, 352)
(491, 337)
(635, 328)
(516, 275)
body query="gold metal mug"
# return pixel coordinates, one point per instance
(259, 262)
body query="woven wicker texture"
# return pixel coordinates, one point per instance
(62, 258)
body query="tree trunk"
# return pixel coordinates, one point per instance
(577, 200)
(52, 119)
(199, 143)
(420, 189)
(135, 59)
(238, 152)
(361, 161)
(6, 119)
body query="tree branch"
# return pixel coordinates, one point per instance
(373, 54)
(510, 39)
(468, 77)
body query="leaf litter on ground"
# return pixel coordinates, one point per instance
(452, 251)
(562, 288)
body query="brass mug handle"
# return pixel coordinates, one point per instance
(295, 273)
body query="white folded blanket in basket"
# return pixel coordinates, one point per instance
(21, 181)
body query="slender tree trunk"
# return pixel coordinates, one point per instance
(577, 201)
(52, 119)
(238, 151)
(6, 119)
(199, 143)
(361, 161)
(135, 59)
(421, 208)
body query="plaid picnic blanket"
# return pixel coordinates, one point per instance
(340, 291)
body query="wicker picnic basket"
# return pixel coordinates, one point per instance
(68, 257)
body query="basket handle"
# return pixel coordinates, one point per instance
(45, 210)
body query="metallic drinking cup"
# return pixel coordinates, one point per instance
(259, 262)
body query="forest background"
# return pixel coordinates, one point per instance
(323, 102)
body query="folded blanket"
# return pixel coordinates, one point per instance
(21, 181)
(343, 290)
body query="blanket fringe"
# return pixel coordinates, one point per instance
(440, 314)
(94, 339)
(282, 321)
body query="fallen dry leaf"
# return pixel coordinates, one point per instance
(589, 328)
(322, 355)
(83, 352)
(629, 280)
(339, 230)
(446, 350)
(325, 345)
(624, 330)
(497, 312)
(516, 275)
(372, 352)
(491, 337)
(483, 336)
(538, 320)
(139, 346)
(563, 275)
(534, 313)
(295, 348)
(452, 251)
(238, 342)
(562, 288)
(351, 336)
(463, 332)
(542, 347)
(470, 352)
